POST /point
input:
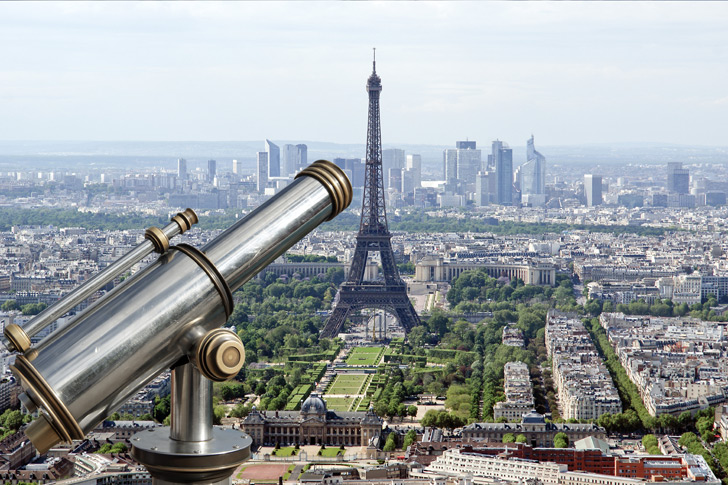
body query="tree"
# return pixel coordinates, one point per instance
(561, 440)
(687, 438)
(161, 409)
(33, 308)
(438, 323)
(409, 438)
(119, 447)
(412, 411)
(649, 441)
(260, 389)
(429, 420)
(390, 445)
(218, 412)
(240, 411)
(14, 420)
(521, 438)
(509, 438)
(9, 305)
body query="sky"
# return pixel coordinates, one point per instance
(568, 72)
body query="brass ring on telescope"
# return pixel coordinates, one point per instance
(185, 219)
(212, 272)
(62, 421)
(17, 337)
(334, 181)
(342, 179)
(338, 196)
(158, 238)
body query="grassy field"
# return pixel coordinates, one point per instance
(330, 452)
(348, 384)
(364, 356)
(285, 451)
(338, 403)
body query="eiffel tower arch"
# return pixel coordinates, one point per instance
(356, 293)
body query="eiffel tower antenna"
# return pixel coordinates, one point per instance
(356, 294)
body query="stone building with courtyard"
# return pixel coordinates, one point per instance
(534, 427)
(312, 425)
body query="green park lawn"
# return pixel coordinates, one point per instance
(330, 452)
(364, 356)
(285, 451)
(348, 384)
(338, 403)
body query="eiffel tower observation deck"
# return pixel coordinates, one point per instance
(356, 293)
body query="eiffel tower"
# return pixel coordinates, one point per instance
(356, 293)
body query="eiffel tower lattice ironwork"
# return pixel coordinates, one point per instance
(356, 294)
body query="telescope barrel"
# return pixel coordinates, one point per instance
(83, 373)
(155, 240)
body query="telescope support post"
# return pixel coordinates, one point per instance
(191, 405)
(191, 451)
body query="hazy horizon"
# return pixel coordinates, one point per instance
(572, 73)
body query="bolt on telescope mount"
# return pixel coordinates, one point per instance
(168, 316)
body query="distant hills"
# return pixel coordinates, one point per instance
(16, 155)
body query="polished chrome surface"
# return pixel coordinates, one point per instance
(200, 462)
(226, 481)
(132, 336)
(191, 405)
(255, 241)
(96, 282)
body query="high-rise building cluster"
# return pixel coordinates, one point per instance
(469, 177)
(274, 168)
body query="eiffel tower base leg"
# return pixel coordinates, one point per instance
(335, 322)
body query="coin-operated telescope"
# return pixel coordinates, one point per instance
(168, 315)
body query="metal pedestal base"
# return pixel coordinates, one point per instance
(191, 451)
(192, 462)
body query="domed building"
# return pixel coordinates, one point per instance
(312, 425)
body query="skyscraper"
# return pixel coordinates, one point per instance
(533, 176)
(408, 181)
(468, 165)
(593, 189)
(289, 160)
(485, 183)
(182, 168)
(502, 160)
(274, 159)
(211, 170)
(237, 167)
(392, 158)
(262, 171)
(302, 156)
(678, 178)
(450, 166)
(465, 145)
(414, 164)
(395, 179)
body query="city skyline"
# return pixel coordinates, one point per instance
(571, 73)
